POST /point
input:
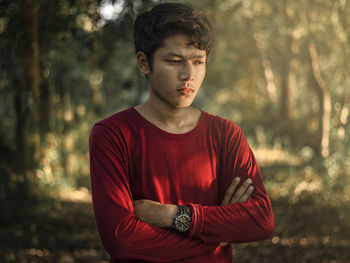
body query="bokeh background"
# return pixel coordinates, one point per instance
(279, 69)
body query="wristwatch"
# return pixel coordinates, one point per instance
(182, 219)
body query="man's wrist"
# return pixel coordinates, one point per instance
(170, 213)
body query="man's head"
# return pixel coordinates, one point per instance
(167, 20)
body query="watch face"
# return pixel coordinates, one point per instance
(182, 223)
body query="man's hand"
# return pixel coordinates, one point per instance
(155, 213)
(241, 195)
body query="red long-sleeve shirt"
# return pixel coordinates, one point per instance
(130, 159)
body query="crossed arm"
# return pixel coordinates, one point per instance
(162, 215)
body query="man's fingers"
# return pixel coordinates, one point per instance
(230, 190)
(240, 192)
(247, 194)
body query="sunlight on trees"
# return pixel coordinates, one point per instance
(278, 69)
(109, 10)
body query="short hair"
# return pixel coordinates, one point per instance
(169, 19)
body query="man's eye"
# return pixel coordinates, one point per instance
(198, 62)
(174, 61)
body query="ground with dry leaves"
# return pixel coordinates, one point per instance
(308, 229)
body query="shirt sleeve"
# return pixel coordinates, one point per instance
(122, 234)
(239, 222)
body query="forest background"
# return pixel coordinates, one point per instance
(279, 69)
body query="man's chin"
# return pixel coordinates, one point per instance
(184, 106)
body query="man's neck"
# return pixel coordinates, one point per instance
(172, 120)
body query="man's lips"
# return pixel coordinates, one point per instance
(185, 91)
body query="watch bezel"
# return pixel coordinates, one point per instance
(182, 220)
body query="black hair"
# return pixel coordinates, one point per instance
(168, 19)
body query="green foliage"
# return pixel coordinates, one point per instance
(88, 71)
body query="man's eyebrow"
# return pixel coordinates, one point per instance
(172, 54)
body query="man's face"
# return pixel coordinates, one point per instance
(178, 72)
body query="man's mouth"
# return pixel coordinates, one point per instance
(185, 91)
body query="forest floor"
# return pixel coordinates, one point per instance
(64, 231)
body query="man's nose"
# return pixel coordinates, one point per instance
(186, 72)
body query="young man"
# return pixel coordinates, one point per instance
(172, 183)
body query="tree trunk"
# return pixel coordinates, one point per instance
(265, 63)
(33, 67)
(95, 81)
(288, 78)
(46, 106)
(324, 101)
(343, 19)
(28, 85)
(21, 169)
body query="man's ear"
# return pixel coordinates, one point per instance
(143, 63)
